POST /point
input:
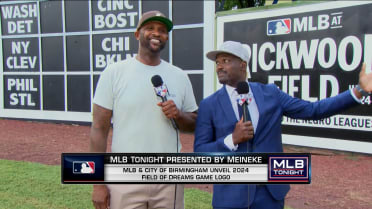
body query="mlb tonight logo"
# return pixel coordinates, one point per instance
(83, 167)
(289, 169)
(278, 27)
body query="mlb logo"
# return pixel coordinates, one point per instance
(279, 27)
(161, 91)
(83, 167)
(242, 98)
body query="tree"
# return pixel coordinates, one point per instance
(223, 5)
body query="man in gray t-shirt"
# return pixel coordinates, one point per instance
(141, 121)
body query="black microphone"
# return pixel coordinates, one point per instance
(161, 91)
(243, 90)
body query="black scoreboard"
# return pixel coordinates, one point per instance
(52, 52)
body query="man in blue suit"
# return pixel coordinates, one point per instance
(219, 128)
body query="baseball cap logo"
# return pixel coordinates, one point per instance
(279, 27)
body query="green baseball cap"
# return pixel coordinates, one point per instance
(155, 16)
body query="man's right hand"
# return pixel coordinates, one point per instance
(101, 197)
(365, 79)
(243, 132)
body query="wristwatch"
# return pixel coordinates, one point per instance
(364, 93)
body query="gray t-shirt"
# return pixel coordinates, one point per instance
(139, 125)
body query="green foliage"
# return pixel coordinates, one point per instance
(224, 5)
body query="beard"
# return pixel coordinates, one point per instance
(146, 43)
(222, 77)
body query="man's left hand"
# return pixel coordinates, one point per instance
(169, 109)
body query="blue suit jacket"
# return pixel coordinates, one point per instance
(216, 120)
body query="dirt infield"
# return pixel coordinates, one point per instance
(339, 180)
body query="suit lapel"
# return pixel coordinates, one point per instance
(258, 97)
(225, 104)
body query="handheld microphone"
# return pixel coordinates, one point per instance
(161, 91)
(243, 90)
